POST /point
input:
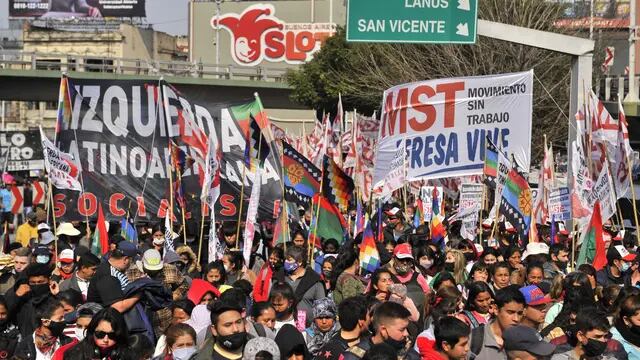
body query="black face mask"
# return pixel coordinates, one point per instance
(594, 348)
(180, 265)
(39, 290)
(449, 266)
(327, 274)
(281, 315)
(397, 345)
(469, 256)
(635, 329)
(57, 328)
(232, 342)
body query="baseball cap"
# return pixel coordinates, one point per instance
(533, 295)
(67, 229)
(151, 260)
(41, 250)
(127, 248)
(403, 251)
(66, 256)
(535, 248)
(393, 211)
(523, 338)
(47, 238)
(43, 227)
(617, 252)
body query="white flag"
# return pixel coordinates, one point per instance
(215, 248)
(168, 233)
(603, 191)
(395, 179)
(211, 186)
(252, 214)
(64, 171)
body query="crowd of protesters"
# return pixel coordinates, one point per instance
(497, 297)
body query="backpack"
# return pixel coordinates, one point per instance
(477, 340)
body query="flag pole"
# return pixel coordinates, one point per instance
(170, 170)
(244, 173)
(53, 217)
(315, 225)
(633, 198)
(182, 209)
(202, 209)
(484, 189)
(284, 202)
(495, 203)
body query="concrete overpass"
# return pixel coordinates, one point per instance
(36, 77)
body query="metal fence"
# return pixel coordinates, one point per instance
(612, 88)
(18, 60)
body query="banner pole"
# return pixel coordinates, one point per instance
(633, 198)
(170, 170)
(53, 216)
(484, 189)
(202, 208)
(182, 210)
(244, 173)
(315, 225)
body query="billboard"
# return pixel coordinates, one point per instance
(277, 35)
(607, 14)
(21, 151)
(61, 9)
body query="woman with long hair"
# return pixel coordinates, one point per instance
(215, 274)
(345, 281)
(445, 302)
(455, 263)
(236, 269)
(428, 261)
(107, 337)
(478, 309)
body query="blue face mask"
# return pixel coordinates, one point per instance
(290, 267)
(184, 353)
(42, 259)
(625, 266)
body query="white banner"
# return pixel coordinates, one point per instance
(63, 170)
(603, 191)
(252, 214)
(470, 204)
(396, 177)
(443, 124)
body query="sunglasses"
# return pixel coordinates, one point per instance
(102, 334)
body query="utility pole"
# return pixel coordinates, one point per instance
(218, 2)
(631, 100)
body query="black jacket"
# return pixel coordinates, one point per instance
(27, 348)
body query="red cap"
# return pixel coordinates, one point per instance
(403, 251)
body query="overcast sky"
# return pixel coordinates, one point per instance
(171, 16)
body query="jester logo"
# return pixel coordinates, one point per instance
(248, 31)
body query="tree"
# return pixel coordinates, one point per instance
(362, 71)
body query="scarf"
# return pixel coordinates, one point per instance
(65, 276)
(319, 338)
(626, 332)
(44, 343)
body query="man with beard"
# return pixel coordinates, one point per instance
(558, 264)
(228, 329)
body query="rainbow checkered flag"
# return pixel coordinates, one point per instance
(337, 186)
(369, 256)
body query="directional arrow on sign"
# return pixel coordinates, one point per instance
(17, 196)
(38, 196)
(464, 5)
(463, 29)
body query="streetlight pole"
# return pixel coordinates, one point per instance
(631, 100)
(218, 2)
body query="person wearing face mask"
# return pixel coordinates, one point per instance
(270, 272)
(188, 264)
(403, 272)
(106, 337)
(228, 329)
(27, 293)
(64, 267)
(284, 303)
(41, 255)
(328, 264)
(236, 269)
(427, 261)
(48, 335)
(627, 326)
(306, 283)
(28, 230)
(618, 262)
(180, 343)
(390, 321)
(397, 229)
(591, 334)
(84, 314)
(558, 264)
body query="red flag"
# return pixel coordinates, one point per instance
(100, 243)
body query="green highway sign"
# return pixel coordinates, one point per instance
(412, 21)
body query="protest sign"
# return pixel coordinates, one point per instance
(122, 140)
(395, 179)
(21, 150)
(443, 124)
(603, 191)
(560, 204)
(426, 195)
(469, 205)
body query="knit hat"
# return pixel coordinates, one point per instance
(258, 344)
(324, 307)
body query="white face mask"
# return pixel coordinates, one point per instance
(80, 334)
(184, 353)
(426, 264)
(227, 268)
